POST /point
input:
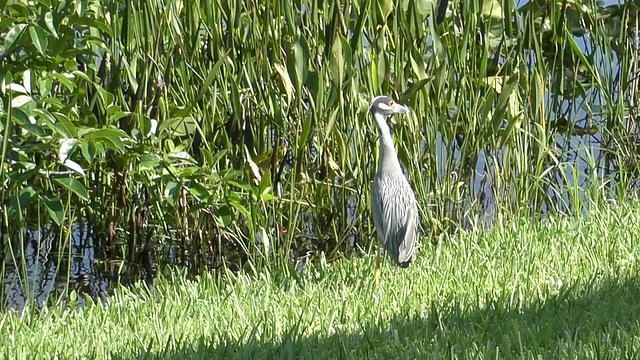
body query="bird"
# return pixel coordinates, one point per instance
(394, 204)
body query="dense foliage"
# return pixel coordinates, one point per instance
(212, 132)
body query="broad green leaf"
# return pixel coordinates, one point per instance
(307, 124)
(66, 149)
(217, 156)
(63, 120)
(150, 161)
(265, 184)
(347, 55)
(179, 126)
(20, 178)
(48, 20)
(111, 137)
(181, 155)
(223, 216)
(504, 99)
(243, 210)
(13, 36)
(425, 7)
(54, 208)
(331, 123)
(93, 23)
(22, 101)
(39, 38)
(413, 89)
(171, 191)
(417, 64)
(65, 81)
(74, 166)
(301, 60)
(81, 8)
(131, 75)
(386, 7)
(20, 117)
(199, 191)
(286, 81)
(337, 64)
(492, 9)
(74, 186)
(89, 150)
(26, 195)
(17, 88)
(34, 129)
(105, 96)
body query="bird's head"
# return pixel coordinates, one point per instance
(386, 106)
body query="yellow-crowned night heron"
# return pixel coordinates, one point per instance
(394, 206)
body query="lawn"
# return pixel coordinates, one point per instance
(564, 287)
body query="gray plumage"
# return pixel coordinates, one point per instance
(394, 206)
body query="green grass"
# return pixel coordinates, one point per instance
(559, 288)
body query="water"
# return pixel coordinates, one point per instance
(47, 263)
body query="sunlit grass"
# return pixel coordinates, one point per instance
(561, 288)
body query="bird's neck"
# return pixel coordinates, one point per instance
(388, 155)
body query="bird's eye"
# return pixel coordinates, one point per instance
(390, 102)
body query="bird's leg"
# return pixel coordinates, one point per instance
(376, 270)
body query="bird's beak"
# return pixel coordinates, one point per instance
(399, 109)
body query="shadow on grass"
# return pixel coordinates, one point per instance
(592, 319)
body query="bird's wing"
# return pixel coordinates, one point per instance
(376, 209)
(407, 235)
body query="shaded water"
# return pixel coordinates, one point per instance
(53, 266)
(44, 265)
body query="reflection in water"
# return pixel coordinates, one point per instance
(39, 269)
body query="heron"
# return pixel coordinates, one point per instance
(394, 205)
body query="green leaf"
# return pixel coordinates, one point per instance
(215, 71)
(301, 61)
(425, 7)
(64, 81)
(111, 137)
(25, 196)
(54, 207)
(68, 125)
(20, 117)
(331, 123)
(89, 150)
(306, 131)
(337, 64)
(224, 216)
(286, 81)
(347, 54)
(74, 186)
(217, 156)
(22, 101)
(417, 64)
(199, 191)
(19, 178)
(179, 126)
(504, 98)
(34, 129)
(492, 9)
(39, 38)
(67, 146)
(150, 161)
(48, 20)
(13, 37)
(171, 191)
(413, 89)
